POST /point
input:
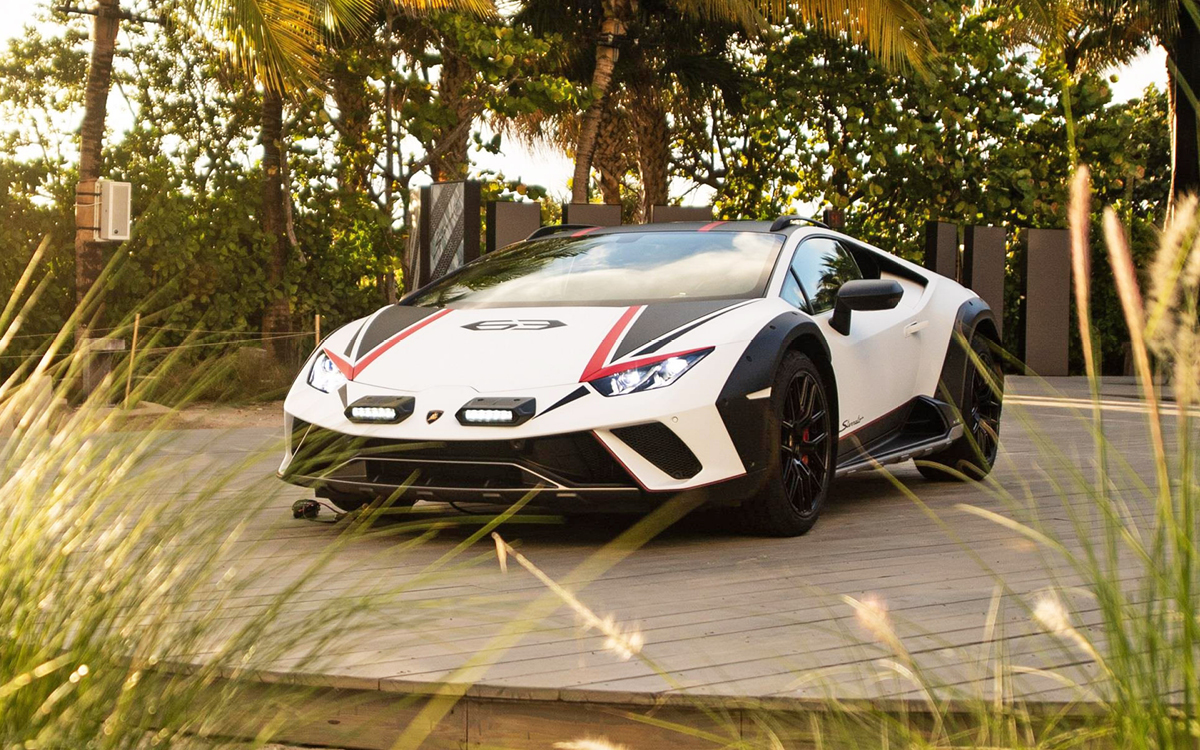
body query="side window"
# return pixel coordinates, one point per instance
(822, 265)
(791, 291)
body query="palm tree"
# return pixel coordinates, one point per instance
(89, 260)
(1074, 37)
(680, 64)
(277, 44)
(891, 28)
(1174, 24)
(1077, 36)
(1181, 38)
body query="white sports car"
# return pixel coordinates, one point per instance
(612, 367)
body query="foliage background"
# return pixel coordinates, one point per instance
(792, 117)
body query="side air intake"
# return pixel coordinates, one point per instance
(659, 445)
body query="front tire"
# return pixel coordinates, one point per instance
(803, 445)
(974, 454)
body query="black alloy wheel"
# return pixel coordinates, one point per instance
(974, 454)
(803, 443)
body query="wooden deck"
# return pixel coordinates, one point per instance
(722, 615)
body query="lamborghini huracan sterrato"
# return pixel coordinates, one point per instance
(608, 368)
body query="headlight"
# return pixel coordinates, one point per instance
(650, 376)
(324, 375)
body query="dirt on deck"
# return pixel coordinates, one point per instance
(204, 416)
(224, 416)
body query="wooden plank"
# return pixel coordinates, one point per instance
(723, 614)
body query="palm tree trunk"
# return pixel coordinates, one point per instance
(456, 72)
(89, 259)
(653, 147)
(610, 158)
(349, 87)
(606, 60)
(1184, 88)
(277, 314)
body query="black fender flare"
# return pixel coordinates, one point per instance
(972, 314)
(745, 419)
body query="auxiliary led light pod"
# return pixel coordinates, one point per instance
(381, 409)
(497, 412)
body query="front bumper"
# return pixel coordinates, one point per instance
(564, 467)
(572, 470)
(641, 432)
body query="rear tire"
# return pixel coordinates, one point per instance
(974, 453)
(803, 443)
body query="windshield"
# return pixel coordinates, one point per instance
(625, 268)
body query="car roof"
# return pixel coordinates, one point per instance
(763, 227)
(689, 226)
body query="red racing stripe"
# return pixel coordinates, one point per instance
(582, 232)
(375, 353)
(712, 225)
(345, 367)
(606, 346)
(622, 366)
(617, 458)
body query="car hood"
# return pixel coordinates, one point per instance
(506, 349)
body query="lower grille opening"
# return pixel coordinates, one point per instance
(659, 445)
(455, 475)
(573, 460)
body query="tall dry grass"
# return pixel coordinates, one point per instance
(146, 583)
(108, 579)
(1131, 544)
(1143, 654)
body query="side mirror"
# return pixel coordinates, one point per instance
(863, 294)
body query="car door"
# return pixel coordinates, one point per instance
(876, 362)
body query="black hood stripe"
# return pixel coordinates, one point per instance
(574, 395)
(660, 343)
(353, 341)
(389, 322)
(661, 318)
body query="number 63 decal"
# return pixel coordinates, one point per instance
(513, 325)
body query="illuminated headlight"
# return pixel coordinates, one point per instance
(324, 375)
(648, 377)
(489, 416)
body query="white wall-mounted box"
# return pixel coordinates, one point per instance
(115, 210)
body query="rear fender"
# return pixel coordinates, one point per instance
(952, 382)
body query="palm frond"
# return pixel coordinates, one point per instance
(750, 16)
(1160, 16)
(1037, 21)
(893, 30)
(477, 7)
(348, 15)
(278, 43)
(275, 42)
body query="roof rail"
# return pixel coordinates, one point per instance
(784, 221)
(550, 229)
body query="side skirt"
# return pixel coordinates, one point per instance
(922, 426)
